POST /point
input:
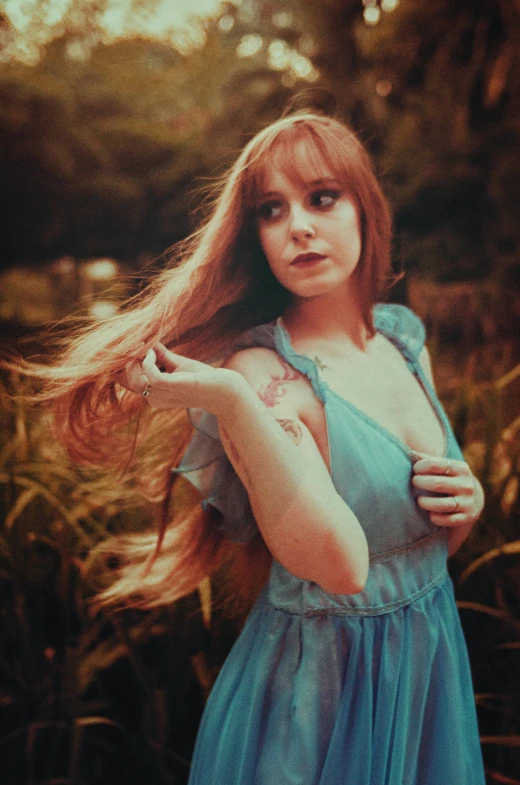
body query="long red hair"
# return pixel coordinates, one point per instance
(217, 285)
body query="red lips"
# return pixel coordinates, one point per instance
(307, 257)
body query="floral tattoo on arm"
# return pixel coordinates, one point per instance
(292, 429)
(270, 394)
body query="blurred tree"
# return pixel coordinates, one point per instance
(446, 77)
(90, 168)
(108, 146)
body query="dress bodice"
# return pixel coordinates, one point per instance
(371, 469)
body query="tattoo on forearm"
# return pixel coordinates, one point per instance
(271, 392)
(292, 429)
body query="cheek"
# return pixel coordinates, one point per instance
(356, 220)
(269, 241)
(350, 218)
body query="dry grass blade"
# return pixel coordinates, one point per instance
(501, 778)
(19, 506)
(504, 741)
(512, 428)
(508, 549)
(489, 611)
(51, 498)
(17, 732)
(508, 377)
(63, 472)
(205, 675)
(205, 600)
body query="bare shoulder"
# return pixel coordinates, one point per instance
(272, 378)
(256, 360)
(287, 395)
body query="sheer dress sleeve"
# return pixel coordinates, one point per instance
(206, 465)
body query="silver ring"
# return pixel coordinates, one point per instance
(457, 505)
(448, 467)
(147, 389)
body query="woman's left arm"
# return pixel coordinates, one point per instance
(465, 497)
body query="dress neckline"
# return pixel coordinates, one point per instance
(412, 363)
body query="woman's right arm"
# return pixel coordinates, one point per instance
(304, 521)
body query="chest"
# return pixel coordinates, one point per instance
(384, 390)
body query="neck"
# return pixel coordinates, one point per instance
(332, 317)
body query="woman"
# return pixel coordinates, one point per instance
(319, 435)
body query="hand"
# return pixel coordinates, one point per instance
(182, 383)
(465, 498)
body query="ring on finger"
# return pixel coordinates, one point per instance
(448, 467)
(147, 390)
(457, 505)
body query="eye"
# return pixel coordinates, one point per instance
(267, 211)
(324, 198)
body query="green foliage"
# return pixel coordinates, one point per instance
(86, 697)
(448, 110)
(82, 151)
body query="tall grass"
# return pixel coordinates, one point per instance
(85, 698)
(117, 698)
(486, 569)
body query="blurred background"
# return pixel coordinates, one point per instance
(115, 117)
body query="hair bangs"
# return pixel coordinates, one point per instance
(301, 154)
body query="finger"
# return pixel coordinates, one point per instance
(122, 379)
(418, 455)
(430, 464)
(443, 504)
(447, 467)
(166, 358)
(456, 519)
(440, 483)
(177, 359)
(149, 367)
(132, 377)
(154, 375)
(132, 366)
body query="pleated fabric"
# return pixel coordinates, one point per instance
(323, 689)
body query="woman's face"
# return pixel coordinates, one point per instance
(320, 218)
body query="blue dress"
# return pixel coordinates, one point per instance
(326, 689)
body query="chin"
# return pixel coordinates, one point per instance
(318, 287)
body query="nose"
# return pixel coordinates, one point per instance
(300, 222)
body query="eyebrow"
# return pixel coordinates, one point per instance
(322, 181)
